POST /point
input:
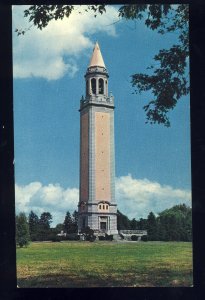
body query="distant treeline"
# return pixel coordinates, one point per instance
(174, 224)
(35, 228)
(40, 230)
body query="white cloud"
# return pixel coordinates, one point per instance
(52, 198)
(24, 194)
(135, 198)
(54, 51)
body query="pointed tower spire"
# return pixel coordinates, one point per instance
(96, 59)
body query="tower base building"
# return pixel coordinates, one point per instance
(97, 207)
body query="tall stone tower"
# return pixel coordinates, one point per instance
(97, 207)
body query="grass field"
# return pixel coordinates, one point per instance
(105, 264)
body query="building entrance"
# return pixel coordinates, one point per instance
(103, 223)
(103, 226)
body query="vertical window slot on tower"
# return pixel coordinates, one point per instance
(101, 86)
(93, 85)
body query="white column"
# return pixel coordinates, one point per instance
(97, 86)
(89, 86)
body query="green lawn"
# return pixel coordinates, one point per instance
(105, 264)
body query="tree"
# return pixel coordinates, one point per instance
(123, 222)
(45, 220)
(75, 217)
(152, 227)
(33, 222)
(133, 224)
(176, 223)
(142, 224)
(88, 234)
(44, 226)
(167, 79)
(22, 230)
(59, 227)
(75, 222)
(68, 222)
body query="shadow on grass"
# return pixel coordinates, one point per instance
(63, 281)
(159, 278)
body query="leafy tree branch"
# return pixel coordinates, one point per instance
(167, 79)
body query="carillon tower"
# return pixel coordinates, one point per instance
(97, 207)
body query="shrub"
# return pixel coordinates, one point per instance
(144, 238)
(22, 230)
(72, 237)
(34, 237)
(108, 237)
(122, 236)
(101, 238)
(89, 234)
(23, 242)
(56, 238)
(134, 238)
(91, 238)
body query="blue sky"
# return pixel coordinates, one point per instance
(152, 162)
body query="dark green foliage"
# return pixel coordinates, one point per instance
(142, 224)
(167, 78)
(74, 222)
(33, 221)
(123, 222)
(22, 230)
(59, 227)
(152, 227)
(92, 238)
(87, 230)
(45, 220)
(134, 238)
(168, 84)
(89, 234)
(41, 15)
(133, 224)
(67, 222)
(44, 226)
(72, 237)
(75, 217)
(175, 224)
(40, 227)
(55, 238)
(144, 238)
(108, 237)
(71, 222)
(68, 237)
(122, 236)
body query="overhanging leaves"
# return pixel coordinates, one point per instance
(168, 82)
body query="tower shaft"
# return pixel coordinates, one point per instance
(97, 207)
